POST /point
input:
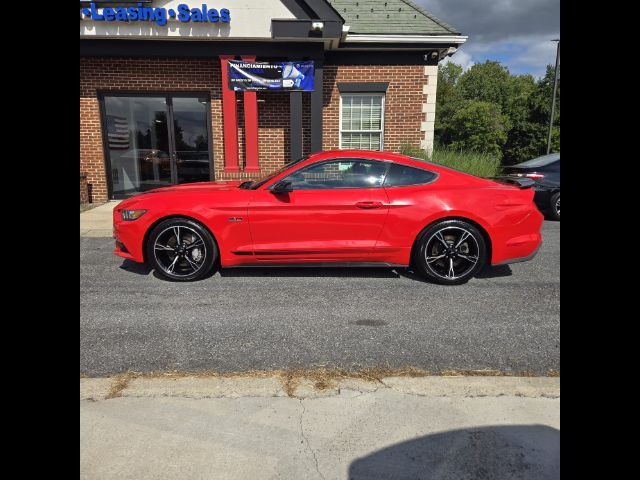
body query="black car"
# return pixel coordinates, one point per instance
(545, 171)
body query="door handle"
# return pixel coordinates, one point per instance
(368, 204)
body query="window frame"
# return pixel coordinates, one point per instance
(386, 164)
(383, 113)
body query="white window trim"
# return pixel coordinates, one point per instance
(383, 113)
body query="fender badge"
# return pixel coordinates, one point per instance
(235, 219)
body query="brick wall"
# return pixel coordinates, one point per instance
(84, 191)
(402, 119)
(403, 102)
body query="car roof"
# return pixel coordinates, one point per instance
(540, 161)
(372, 155)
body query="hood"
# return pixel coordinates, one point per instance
(198, 187)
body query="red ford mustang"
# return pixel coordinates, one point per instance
(333, 208)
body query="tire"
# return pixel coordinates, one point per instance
(465, 259)
(554, 207)
(193, 258)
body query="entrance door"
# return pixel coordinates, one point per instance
(153, 141)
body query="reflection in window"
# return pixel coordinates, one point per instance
(339, 174)
(137, 143)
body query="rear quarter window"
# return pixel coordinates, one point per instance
(403, 175)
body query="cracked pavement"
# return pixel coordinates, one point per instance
(401, 428)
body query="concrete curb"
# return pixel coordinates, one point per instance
(237, 387)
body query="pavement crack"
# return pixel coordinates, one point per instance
(306, 440)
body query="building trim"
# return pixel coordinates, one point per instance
(387, 38)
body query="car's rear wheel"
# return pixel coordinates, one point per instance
(554, 206)
(181, 249)
(450, 252)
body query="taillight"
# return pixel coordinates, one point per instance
(534, 176)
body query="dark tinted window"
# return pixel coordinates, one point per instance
(401, 175)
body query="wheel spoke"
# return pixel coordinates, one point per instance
(463, 237)
(469, 258)
(193, 264)
(176, 232)
(173, 264)
(452, 272)
(441, 238)
(433, 259)
(197, 243)
(163, 247)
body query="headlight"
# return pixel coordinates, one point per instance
(132, 214)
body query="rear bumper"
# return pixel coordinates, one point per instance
(521, 259)
(517, 242)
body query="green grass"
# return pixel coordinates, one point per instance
(474, 163)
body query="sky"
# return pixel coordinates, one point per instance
(516, 33)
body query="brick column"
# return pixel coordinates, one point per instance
(229, 118)
(251, 127)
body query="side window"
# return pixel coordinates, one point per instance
(345, 173)
(402, 175)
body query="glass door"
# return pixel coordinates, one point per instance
(154, 141)
(191, 138)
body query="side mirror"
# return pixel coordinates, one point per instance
(282, 187)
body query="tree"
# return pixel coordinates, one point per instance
(487, 82)
(448, 100)
(517, 111)
(479, 126)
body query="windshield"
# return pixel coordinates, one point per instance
(258, 183)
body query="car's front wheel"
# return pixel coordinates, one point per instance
(450, 252)
(181, 249)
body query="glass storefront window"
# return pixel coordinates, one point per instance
(155, 141)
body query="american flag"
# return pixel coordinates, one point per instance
(118, 132)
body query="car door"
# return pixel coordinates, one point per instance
(335, 212)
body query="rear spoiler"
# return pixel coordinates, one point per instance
(520, 182)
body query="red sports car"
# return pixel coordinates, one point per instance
(334, 208)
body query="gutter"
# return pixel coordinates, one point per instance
(389, 38)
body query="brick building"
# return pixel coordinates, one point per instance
(156, 107)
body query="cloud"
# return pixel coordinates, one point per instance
(515, 32)
(462, 58)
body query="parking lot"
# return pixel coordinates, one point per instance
(270, 318)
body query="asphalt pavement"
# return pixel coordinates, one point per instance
(273, 318)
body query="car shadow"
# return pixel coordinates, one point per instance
(319, 272)
(495, 271)
(135, 267)
(523, 452)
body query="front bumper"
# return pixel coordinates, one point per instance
(128, 236)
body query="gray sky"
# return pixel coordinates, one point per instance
(515, 32)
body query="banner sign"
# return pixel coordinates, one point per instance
(250, 76)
